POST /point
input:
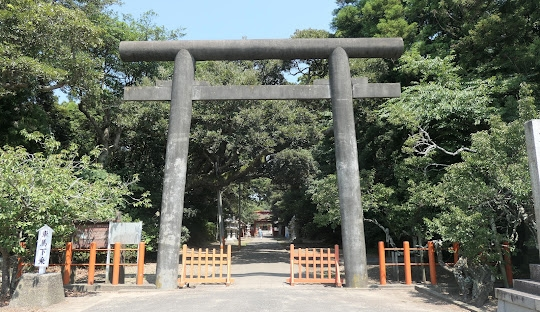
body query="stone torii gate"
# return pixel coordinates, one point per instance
(183, 90)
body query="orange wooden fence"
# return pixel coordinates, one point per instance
(315, 265)
(68, 264)
(407, 262)
(432, 262)
(205, 267)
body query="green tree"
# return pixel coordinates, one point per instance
(72, 46)
(372, 18)
(56, 187)
(233, 141)
(45, 46)
(324, 194)
(486, 199)
(100, 100)
(454, 154)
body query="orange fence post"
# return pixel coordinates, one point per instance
(455, 246)
(508, 264)
(407, 260)
(228, 282)
(292, 264)
(20, 263)
(140, 264)
(432, 264)
(184, 266)
(214, 262)
(336, 255)
(116, 263)
(92, 263)
(382, 264)
(199, 264)
(20, 266)
(67, 264)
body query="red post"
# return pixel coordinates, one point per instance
(432, 263)
(20, 263)
(20, 266)
(92, 263)
(336, 255)
(116, 263)
(291, 255)
(382, 264)
(140, 264)
(407, 260)
(455, 246)
(228, 282)
(508, 265)
(67, 264)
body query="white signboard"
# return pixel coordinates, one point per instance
(43, 249)
(125, 232)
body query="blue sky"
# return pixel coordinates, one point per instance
(235, 19)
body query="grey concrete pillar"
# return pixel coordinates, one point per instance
(174, 183)
(348, 174)
(532, 139)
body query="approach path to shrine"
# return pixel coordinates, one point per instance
(259, 272)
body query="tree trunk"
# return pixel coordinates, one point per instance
(14, 271)
(499, 251)
(6, 276)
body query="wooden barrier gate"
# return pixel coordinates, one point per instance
(315, 265)
(205, 267)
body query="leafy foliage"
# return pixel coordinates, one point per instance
(56, 187)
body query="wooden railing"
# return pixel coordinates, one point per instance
(407, 262)
(406, 250)
(68, 264)
(205, 267)
(314, 265)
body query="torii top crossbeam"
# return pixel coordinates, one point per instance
(283, 49)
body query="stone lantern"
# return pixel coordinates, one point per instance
(231, 227)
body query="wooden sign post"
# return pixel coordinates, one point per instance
(43, 249)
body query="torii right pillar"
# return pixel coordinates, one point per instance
(348, 173)
(532, 140)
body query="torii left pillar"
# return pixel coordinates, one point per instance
(174, 182)
(348, 173)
